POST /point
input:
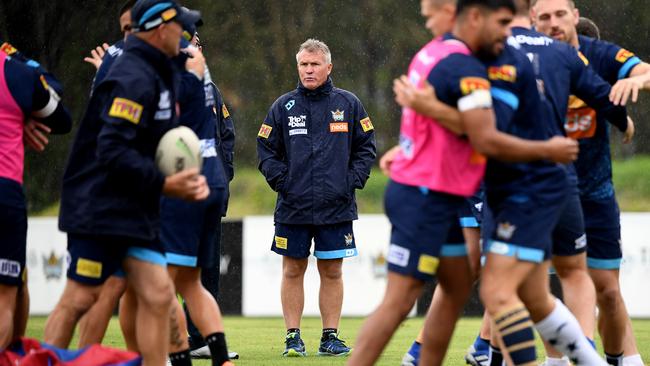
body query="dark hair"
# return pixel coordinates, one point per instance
(587, 27)
(492, 5)
(127, 6)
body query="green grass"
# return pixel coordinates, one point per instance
(259, 341)
(631, 179)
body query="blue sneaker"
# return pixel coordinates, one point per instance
(477, 357)
(333, 346)
(412, 357)
(295, 347)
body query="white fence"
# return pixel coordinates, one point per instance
(364, 275)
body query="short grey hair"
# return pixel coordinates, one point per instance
(314, 45)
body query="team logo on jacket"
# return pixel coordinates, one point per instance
(366, 124)
(338, 115)
(505, 230)
(290, 104)
(348, 239)
(126, 109)
(265, 131)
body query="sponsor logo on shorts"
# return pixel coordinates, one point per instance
(338, 115)
(499, 248)
(339, 127)
(348, 239)
(623, 55)
(471, 84)
(126, 109)
(281, 242)
(366, 124)
(505, 73)
(89, 268)
(505, 230)
(428, 264)
(53, 266)
(9, 268)
(581, 242)
(265, 131)
(398, 256)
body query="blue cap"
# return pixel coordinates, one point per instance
(149, 14)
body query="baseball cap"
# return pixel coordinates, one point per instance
(149, 14)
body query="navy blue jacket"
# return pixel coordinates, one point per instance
(315, 148)
(111, 185)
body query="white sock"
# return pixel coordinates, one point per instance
(634, 360)
(552, 361)
(561, 329)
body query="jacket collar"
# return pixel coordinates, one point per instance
(320, 92)
(148, 52)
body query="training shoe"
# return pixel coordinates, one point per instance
(477, 357)
(333, 346)
(204, 354)
(412, 357)
(295, 347)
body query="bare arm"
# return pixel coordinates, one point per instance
(425, 102)
(480, 127)
(625, 88)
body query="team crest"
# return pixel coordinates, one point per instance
(348, 239)
(505, 230)
(338, 115)
(53, 266)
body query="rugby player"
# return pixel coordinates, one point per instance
(483, 26)
(618, 66)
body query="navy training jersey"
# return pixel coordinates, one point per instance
(520, 112)
(594, 164)
(560, 70)
(112, 53)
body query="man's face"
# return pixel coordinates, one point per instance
(494, 31)
(557, 19)
(313, 69)
(439, 19)
(171, 33)
(125, 23)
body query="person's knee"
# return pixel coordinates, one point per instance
(609, 298)
(158, 296)
(293, 269)
(78, 301)
(331, 273)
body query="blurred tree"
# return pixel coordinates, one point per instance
(250, 46)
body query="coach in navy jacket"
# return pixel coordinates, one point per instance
(315, 147)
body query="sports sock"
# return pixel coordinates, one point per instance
(181, 358)
(614, 360)
(481, 344)
(218, 349)
(633, 360)
(327, 332)
(561, 329)
(552, 361)
(293, 330)
(496, 357)
(516, 330)
(415, 350)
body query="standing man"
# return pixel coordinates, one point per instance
(24, 94)
(624, 70)
(316, 147)
(112, 188)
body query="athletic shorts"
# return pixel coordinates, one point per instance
(93, 258)
(470, 213)
(332, 241)
(13, 231)
(603, 226)
(569, 236)
(521, 225)
(425, 227)
(190, 230)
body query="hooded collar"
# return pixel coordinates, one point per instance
(320, 92)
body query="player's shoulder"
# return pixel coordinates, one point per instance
(346, 95)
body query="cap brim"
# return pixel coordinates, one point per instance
(188, 18)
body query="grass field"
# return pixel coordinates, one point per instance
(259, 341)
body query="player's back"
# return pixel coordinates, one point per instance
(432, 156)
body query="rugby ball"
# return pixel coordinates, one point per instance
(178, 149)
